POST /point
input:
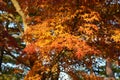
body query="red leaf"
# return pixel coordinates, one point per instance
(30, 49)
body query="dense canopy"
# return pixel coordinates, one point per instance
(45, 39)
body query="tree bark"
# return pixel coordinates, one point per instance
(109, 71)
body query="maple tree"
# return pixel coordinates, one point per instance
(60, 34)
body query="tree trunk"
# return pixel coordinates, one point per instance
(109, 71)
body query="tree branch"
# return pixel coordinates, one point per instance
(1, 58)
(118, 19)
(10, 17)
(20, 61)
(20, 12)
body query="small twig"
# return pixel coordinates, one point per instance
(118, 19)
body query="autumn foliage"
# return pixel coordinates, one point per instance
(60, 33)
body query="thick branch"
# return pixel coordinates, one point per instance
(20, 12)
